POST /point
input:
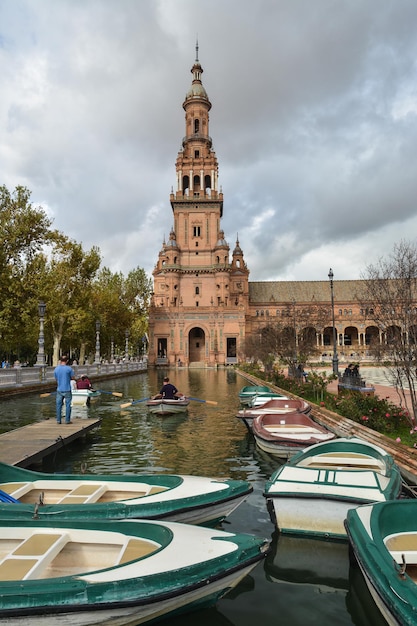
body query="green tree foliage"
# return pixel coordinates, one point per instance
(25, 230)
(122, 305)
(67, 285)
(40, 263)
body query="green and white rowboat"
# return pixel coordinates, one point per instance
(84, 397)
(190, 499)
(312, 493)
(249, 391)
(118, 573)
(383, 537)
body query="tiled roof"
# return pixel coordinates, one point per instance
(308, 291)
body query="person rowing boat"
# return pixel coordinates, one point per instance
(168, 391)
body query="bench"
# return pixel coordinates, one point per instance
(16, 490)
(343, 463)
(84, 494)
(136, 549)
(32, 556)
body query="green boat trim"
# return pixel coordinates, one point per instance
(380, 534)
(134, 582)
(163, 496)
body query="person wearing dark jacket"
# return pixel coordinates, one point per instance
(168, 391)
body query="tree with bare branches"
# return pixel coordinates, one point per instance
(390, 300)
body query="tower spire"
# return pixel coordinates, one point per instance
(196, 50)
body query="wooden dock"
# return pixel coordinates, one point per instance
(30, 444)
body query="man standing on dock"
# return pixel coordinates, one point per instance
(63, 375)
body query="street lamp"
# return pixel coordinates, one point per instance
(295, 334)
(335, 358)
(97, 356)
(127, 346)
(40, 360)
(111, 349)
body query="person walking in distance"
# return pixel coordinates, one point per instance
(63, 374)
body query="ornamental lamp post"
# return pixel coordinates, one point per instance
(127, 346)
(40, 359)
(111, 349)
(97, 355)
(335, 357)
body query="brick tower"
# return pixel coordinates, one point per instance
(200, 300)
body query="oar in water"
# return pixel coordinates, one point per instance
(126, 404)
(46, 395)
(203, 401)
(112, 393)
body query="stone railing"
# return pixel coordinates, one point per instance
(14, 377)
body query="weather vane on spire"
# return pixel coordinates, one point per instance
(196, 50)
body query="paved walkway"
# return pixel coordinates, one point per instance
(382, 391)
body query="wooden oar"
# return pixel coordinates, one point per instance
(126, 404)
(46, 395)
(112, 393)
(203, 401)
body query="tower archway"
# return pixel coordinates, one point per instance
(196, 345)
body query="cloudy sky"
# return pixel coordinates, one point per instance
(314, 123)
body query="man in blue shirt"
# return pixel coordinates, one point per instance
(63, 375)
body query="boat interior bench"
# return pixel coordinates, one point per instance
(341, 461)
(84, 493)
(16, 489)
(32, 555)
(403, 544)
(55, 554)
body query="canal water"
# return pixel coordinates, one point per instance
(302, 581)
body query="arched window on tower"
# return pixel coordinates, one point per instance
(207, 185)
(197, 291)
(185, 185)
(196, 183)
(196, 126)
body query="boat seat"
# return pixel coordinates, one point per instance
(32, 556)
(287, 428)
(156, 489)
(136, 549)
(16, 489)
(403, 544)
(85, 493)
(342, 461)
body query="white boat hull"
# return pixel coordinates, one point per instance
(311, 517)
(83, 397)
(115, 574)
(167, 407)
(283, 451)
(313, 492)
(133, 616)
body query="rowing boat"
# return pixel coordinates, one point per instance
(284, 435)
(282, 406)
(312, 493)
(127, 572)
(162, 406)
(84, 397)
(383, 538)
(191, 499)
(247, 393)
